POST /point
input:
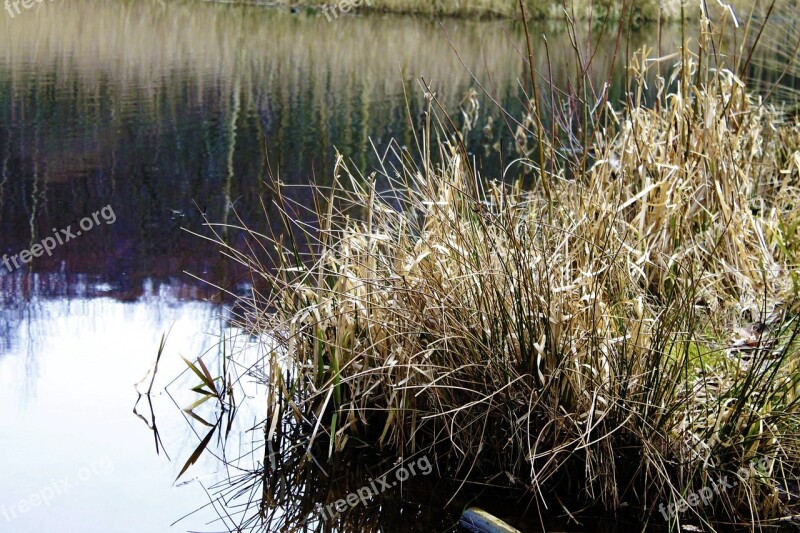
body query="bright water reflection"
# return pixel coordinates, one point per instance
(67, 390)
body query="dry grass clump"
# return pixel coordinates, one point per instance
(593, 347)
(622, 334)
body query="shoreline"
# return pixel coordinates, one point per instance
(647, 11)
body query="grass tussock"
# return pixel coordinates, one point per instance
(621, 334)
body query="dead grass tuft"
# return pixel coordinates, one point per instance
(621, 334)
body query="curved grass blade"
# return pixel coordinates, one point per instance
(198, 451)
(206, 379)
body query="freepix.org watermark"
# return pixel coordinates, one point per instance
(672, 8)
(377, 486)
(56, 487)
(331, 11)
(706, 494)
(62, 236)
(12, 6)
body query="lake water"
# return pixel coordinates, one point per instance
(163, 114)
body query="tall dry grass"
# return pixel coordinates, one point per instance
(620, 334)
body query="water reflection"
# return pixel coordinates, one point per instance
(67, 393)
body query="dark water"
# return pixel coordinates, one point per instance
(162, 115)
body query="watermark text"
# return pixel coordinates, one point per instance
(56, 487)
(62, 236)
(422, 466)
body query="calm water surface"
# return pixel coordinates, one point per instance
(166, 113)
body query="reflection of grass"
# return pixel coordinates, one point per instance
(576, 338)
(293, 76)
(283, 52)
